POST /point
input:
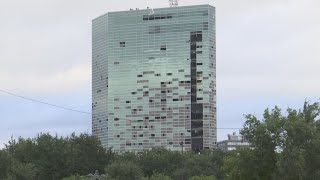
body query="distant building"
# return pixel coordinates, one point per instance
(154, 79)
(233, 142)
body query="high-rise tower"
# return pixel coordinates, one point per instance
(154, 78)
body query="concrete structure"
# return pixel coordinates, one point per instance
(233, 142)
(154, 78)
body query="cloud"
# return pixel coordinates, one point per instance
(69, 80)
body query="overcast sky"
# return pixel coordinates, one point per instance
(268, 53)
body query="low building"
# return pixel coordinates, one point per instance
(233, 142)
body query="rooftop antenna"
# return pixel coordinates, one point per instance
(151, 11)
(173, 3)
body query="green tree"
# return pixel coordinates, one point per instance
(202, 178)
(124, 170)
(159, 176)
(5, 164)
(75, 177)
(159, 160)
(56, 157)
(284, 146)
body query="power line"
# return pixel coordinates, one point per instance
(74, 110)
(42, 102)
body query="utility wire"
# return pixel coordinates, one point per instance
(42, 102)
(66, 108)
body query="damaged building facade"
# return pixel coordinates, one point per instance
(154, 79)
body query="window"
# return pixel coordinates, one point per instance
(122, 44)
(169, 74)
(128, 101)
(163, 47)
(139, 75)
(116, 119)
(153, 135)
(163, 100)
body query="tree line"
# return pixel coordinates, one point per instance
(284, 145)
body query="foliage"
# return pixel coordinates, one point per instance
(53, 157)
(121, 170)
(284, 146)
(203, 178)
(75, 177)
(5, 164)
(159, 176)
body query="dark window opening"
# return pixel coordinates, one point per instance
(122, 44)
(169, 74)
(141, 135)
(163, 47)
(139, 75)
(116, 119)
(162, 100)
(128, 101)
(153, 135)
